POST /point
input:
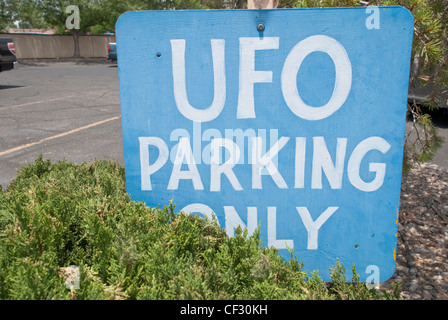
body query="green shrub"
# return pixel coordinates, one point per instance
(56, 215)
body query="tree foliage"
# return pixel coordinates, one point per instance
(97, 16)
(6, 13)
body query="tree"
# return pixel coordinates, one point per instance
(73, 16)
(28, 14)
(5, 15)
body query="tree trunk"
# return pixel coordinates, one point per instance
(75, 35)
(262, 4)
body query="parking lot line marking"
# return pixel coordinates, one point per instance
(2, 153)
(34, 102)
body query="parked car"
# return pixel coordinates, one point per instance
(7, 54)
(112, 51)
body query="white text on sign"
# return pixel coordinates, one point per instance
(263, 160)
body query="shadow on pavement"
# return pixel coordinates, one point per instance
(4, 87)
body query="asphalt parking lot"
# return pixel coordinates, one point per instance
(64, 110)
(71, 110)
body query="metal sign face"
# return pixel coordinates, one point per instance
(288, 119)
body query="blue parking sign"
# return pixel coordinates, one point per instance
(291, 120)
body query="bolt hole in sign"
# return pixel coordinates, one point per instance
(296, 128)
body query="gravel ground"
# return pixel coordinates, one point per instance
(422, 264)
